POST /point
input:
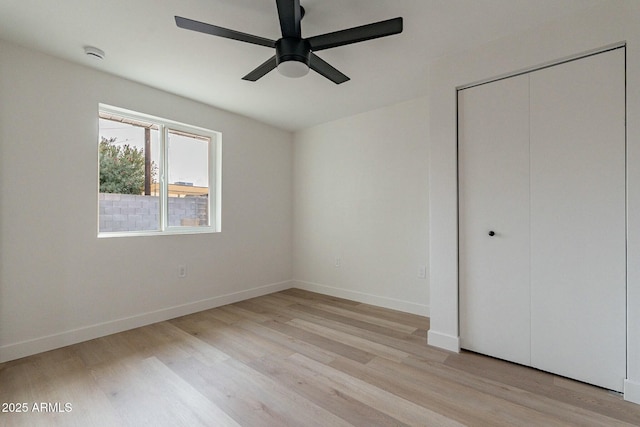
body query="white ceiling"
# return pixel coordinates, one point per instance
(142, 43)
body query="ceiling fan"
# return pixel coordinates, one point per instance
(295, 54)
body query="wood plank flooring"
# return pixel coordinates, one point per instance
(293, 358)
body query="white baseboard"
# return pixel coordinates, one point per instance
(632, 391)
(62, 339)
(394, 304)
(447, 342)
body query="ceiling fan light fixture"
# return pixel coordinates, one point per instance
(293, 69)
(292, 57)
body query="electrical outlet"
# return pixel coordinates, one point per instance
(182, 271)
(422, 272)
(338, 262)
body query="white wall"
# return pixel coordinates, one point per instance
(360, 194)
(59, 283)
(614, 22)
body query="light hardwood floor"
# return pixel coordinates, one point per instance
(293, 358)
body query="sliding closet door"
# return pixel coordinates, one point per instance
(578, 254)
(493, 156)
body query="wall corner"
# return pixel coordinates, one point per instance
(444, 341)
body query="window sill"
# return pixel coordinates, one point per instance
(169, 232)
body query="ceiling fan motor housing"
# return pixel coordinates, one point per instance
(293, 49)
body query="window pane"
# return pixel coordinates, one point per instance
(188, 179)
(129, 160)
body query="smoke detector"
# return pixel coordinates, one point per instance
(94, 52)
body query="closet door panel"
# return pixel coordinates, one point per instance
(578, 273)
(493, 164)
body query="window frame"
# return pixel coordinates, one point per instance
(214, 174)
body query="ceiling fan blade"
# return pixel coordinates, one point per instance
(323, 68)
(263, 69)
(356, 34)
(290, 16)
(201, 27)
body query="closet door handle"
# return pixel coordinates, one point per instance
(492, 233)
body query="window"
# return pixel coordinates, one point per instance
(156, 176)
